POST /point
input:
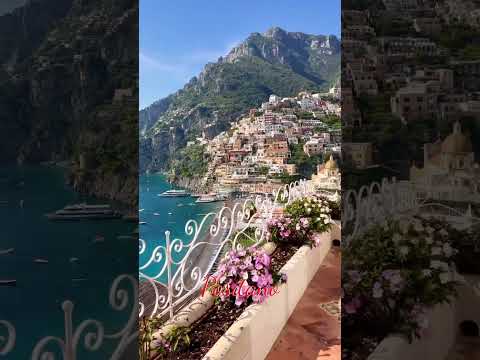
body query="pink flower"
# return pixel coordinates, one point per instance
(352, 306)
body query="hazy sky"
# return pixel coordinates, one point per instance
(9, 5)
(177, 38)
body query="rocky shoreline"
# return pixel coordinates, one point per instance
(194, 184)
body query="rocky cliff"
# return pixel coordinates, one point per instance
(71, 70)
(277, 62)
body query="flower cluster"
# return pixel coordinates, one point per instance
(245, 268)
(394, 273)
(302, 220)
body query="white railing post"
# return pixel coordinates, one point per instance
(169, 274)
(69, 349)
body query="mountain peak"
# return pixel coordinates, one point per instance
(276, 61)
(275, 32)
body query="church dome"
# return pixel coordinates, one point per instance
(457, 142)
(331, 164)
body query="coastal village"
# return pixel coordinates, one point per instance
(426, 83)
(261, 151)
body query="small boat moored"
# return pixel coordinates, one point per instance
(41, 261)
(208, 198)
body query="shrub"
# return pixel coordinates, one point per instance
(177, 338)
(302, 220)
(316, 211)
(393, 274)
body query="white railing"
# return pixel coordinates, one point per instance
(175, 282)
(377, 202)
(91, 331)
(373, 204)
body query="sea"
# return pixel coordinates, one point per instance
(162, 214)
(83, 258)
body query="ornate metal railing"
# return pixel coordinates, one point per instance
(92, 332)
(176, 281)
(377, 202)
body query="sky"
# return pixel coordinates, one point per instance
(177, 38)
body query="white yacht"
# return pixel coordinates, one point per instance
(84, 211)
(174, 193)
(208, 198)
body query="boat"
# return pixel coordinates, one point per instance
(99, 238)
(73, 259)
(41, 261)
(8, 282)
(208, 198)
(196, 195)
(156, 214)
(84, 211)
(142, 223)
(222, 197)
(84, 206)
(174, 193)
(7, 251)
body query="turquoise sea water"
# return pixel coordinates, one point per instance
(165, 213)
(34, 305)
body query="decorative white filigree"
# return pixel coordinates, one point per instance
(175, 281)
(89, 334)
(377, 202)
(7, 342)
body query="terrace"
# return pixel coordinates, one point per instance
(173, 298)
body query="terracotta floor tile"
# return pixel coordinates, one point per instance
(312, 333)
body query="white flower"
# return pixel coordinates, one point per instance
(436, 251)
(436, 264)
(418, 226)
(385, 226)
(309, 210)
(427, 272)
(404, 250)
(430, 230)
(443, 232)
(447, 250)
(445, 277)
